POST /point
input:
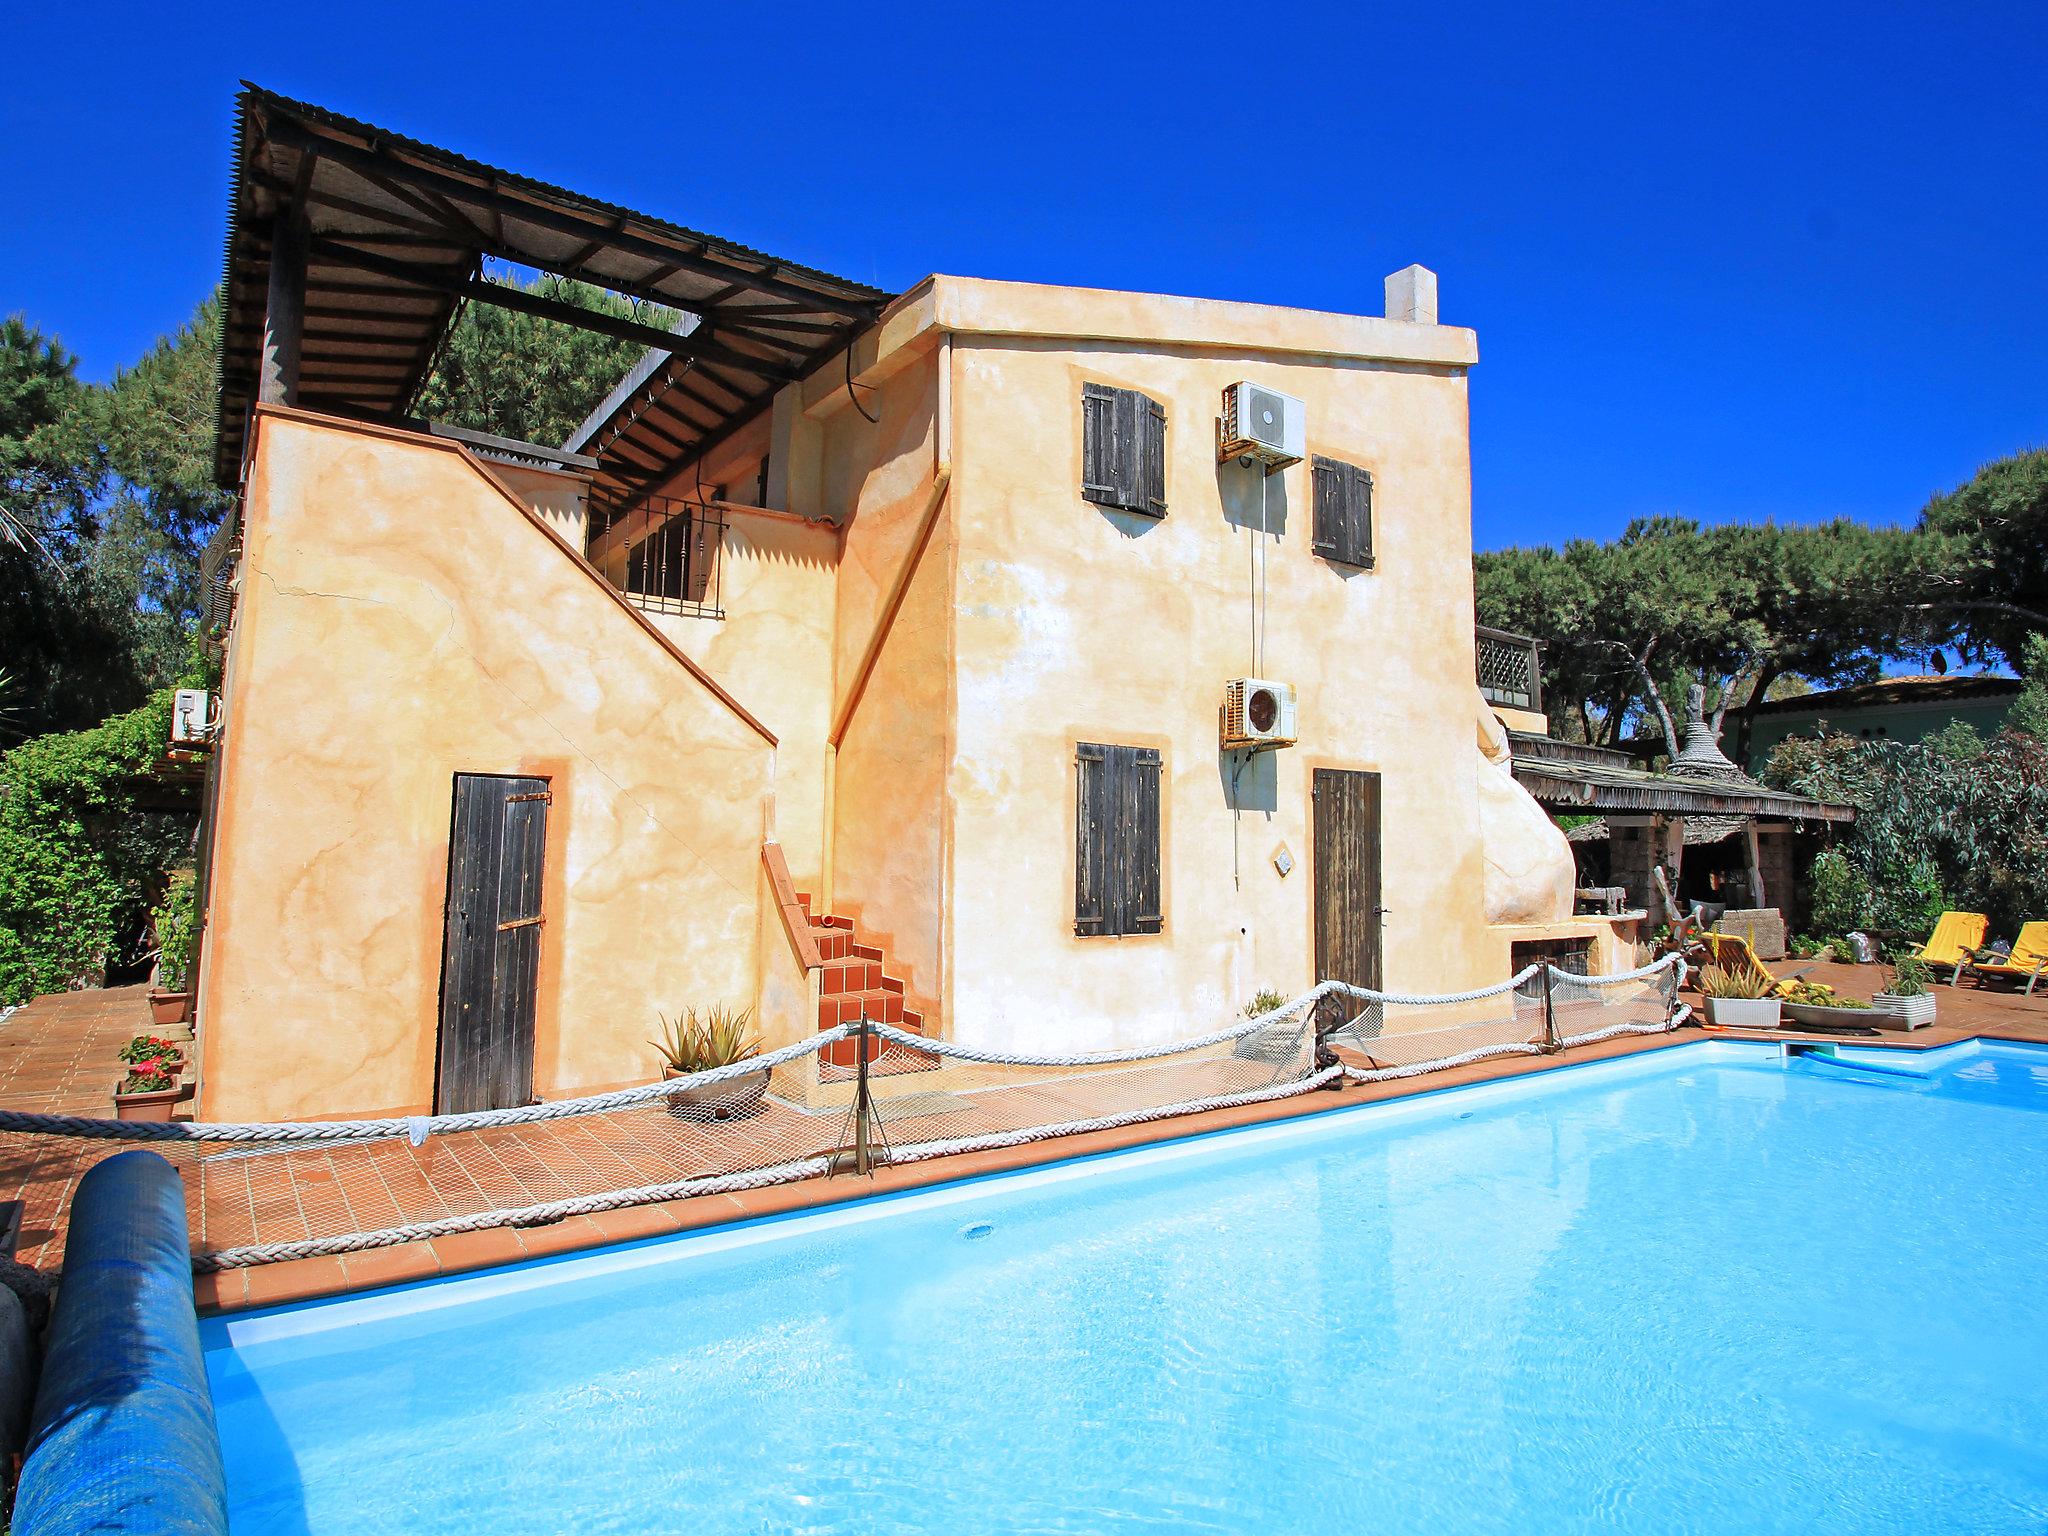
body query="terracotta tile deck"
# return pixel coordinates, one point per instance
(59, 1055)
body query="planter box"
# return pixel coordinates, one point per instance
(1815, 1016)
(167, 1008)
(147, 1106)
(729, 1100)
(1890, 1012)
(1743, 1012)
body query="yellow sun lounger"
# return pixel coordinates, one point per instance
(1731, 952)
(2028, 961)
(1956, 937)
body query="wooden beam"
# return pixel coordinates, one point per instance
(519, 299)
(284, 312)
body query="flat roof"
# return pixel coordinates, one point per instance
(1893, 693)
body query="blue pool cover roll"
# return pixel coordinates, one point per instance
(123, 1437)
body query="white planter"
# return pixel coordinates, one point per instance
(1902, 1012)
(1743, 1012)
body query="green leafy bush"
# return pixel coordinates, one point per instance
(1910, 978)
(176, 928)
(79, 857)
(2029, 712)
(1938, 824)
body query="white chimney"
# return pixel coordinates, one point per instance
(1411, 295)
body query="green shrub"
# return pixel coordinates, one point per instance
(1836, 892)
(174, 920)
(1939, 823)
(2029, 712)
(79, 858)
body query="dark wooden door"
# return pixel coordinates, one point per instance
(490, 954)
(1347, 882)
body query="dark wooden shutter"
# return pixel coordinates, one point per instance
(1123, 450)
(1116, 834)
(1360, 521)
(1343, 511)
(1098, 444)
(1151, 437)
(1091, 839)
(1140, 841)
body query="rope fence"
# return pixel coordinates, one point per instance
(262, 1192)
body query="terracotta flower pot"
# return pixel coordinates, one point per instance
(147, 1106)
(167, 1008)
(729, 1100)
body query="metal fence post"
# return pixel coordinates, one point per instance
(863, 1151)
(1551, 1043)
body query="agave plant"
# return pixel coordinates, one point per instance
(698, 1042)
(1265, 1000)
(1735, 983)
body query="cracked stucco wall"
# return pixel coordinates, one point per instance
(402, 621)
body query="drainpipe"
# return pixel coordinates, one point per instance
(942, 476)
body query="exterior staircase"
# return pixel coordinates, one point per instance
(853, 985)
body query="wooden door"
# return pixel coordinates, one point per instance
(1347, 882)
(490, 955)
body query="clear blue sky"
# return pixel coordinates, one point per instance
(1729, 261)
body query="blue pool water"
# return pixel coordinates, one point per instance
(1701, 1290)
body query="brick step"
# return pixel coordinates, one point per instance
(852, 1007)
(866, 951)
(841, 976)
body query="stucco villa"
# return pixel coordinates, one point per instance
(966, 657)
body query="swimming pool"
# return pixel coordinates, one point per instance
(1704, 1288)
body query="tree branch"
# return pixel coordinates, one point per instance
(1754, 663)
(1984, 606)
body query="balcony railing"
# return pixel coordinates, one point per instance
(1510, 669)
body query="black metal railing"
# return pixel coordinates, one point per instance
(1510, 669)
(662, 553)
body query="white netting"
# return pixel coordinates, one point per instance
(261, 1192)
(266, 1191)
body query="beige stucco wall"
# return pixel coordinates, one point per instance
(559, 498)
(404, 619)
(773, 651)
(1078, 623)
(889, 771)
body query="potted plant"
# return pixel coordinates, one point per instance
(1907, 998)
(169, 1001)
(148, 1091)
(154, 1049)
(1819, 1006)
(1739, 998)
(693, 1044)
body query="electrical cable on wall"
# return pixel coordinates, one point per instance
(872, 420)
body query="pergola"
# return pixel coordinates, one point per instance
(1652, 818)
(351, 248)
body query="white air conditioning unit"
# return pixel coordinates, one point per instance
(191, 717)
(1262, 424)
(1257, 714)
